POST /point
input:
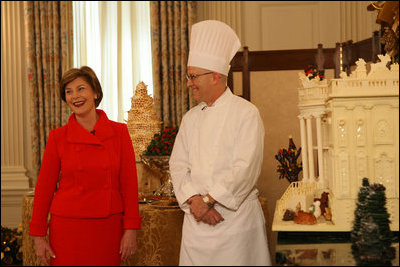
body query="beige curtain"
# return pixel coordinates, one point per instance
(170, 25)
(48, 30)
(113, 38)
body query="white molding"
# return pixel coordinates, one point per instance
(14, 181)
(11, 206)
(14, 178)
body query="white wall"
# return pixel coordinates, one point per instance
(277, 25)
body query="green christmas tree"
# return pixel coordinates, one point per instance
(376, 208)
(371, 236)
(360, 208)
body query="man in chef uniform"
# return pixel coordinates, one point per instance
(216, 160)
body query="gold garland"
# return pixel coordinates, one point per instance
(375, 6)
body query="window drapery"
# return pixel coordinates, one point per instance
(170, 25)
(48, 34)
(113, 38)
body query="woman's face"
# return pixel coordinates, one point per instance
(80, 97)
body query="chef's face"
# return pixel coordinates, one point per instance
(200, 81)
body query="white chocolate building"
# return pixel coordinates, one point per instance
(349, 130)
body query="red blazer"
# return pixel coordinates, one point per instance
(96, 175)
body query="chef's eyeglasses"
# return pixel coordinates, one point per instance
(191, 77)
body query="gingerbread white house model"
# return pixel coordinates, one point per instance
(349, 130)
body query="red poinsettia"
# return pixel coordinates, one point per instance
(162, 143)
(311, 72)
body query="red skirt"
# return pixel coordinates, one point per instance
(79, 242)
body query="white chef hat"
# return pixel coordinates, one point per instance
(213, 44)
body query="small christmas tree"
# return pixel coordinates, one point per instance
(371, 235)
(289, 168)
(360, 208)
(376, 208)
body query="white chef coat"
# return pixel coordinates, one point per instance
(219, 150)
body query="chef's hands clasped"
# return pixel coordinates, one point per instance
(202, 212)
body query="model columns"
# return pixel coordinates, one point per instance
(303, 148)
(319, 148)
(310, 148)
(307, 152)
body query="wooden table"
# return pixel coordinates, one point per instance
(158, 242)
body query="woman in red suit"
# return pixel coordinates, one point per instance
(87, 182)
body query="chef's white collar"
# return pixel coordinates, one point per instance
(220, 100)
